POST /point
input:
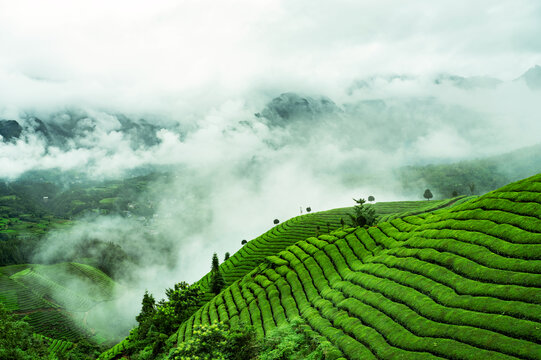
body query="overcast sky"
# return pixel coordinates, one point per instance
(178, 56)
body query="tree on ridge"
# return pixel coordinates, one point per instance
(217, 281)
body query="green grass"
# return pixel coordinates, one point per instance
(459, 283)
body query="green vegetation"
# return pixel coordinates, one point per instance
(158, 321)
(217, 341)
(486, 174)
(453, 278)
(362, 215)
(55, 301)
(464, 282)
(289, 232)
(292, 341)
(16, 340)
(217, 281)
(400, 209)
(256, 252)
(39, 202)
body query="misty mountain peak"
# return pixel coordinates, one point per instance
(10, 129)
(291, 106)
(532, 77)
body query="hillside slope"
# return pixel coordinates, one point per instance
(290, 232)
(463, 283)
(304, 226)
(55, 298)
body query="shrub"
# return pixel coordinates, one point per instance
(292, 342)
(217, 341)
(363, 215)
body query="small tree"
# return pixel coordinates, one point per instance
(317, 230)
(363, 215)
(276, 221)
(244, 242)
(308, 209)
(472, 188)
(182, 301)
(217, 281)
(455, 193)
(371, 198)
(428, 194)
(328, 227)
(146, 316)
(148, 309)
(342, 222)
(226, 256)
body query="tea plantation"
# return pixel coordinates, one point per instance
(288, 233)
(304, 226)
(460, 283)
(51, 300)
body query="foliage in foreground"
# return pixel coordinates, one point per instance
(157, 321)
(16, 340)
(218, 341)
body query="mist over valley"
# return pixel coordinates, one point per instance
(143, 140)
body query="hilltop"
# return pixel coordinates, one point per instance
(460, 283)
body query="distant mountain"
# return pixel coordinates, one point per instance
(467, 83)
(290, 106)
(532, 77)
(373, 81)
(69, 129)
(10, 129)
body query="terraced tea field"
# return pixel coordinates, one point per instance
(51, 298)
(55, 346)
(256, 251)
(304, 226)
(461, 283)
